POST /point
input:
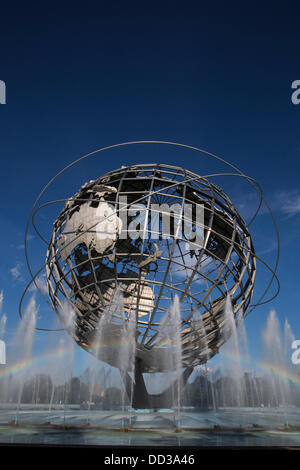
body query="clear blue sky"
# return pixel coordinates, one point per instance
(80, 76)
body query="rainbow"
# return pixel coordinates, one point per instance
(280, 372)
(266, 366)
(22, 365)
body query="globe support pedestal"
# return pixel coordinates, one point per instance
(141, 399)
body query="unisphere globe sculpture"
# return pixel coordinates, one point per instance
(141, 249)
(124, 230)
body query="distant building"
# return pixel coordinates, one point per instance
(2, 353)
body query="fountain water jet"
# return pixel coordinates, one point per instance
(249, 391)
(201, 337)
(23, 342)
(113, 342)
(67, 317)
(2, 326)
(274, 357)
(56, 375)
(235, 370)
(170, 338)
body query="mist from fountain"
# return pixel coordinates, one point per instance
(23, 343)
(114, 344)
(201, 337)
(3, 321)
(93, 369)
(233, 348)
(57, 373)
(250, 390)
(67, 317)
(1, 300)
(126, 348)
(169, 337)
(275, 351)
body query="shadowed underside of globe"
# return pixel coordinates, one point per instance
(101, 243)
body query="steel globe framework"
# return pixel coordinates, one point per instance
(152, 268)
(93, 256)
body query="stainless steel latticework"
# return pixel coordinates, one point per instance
(94, 260)
(152, 268)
